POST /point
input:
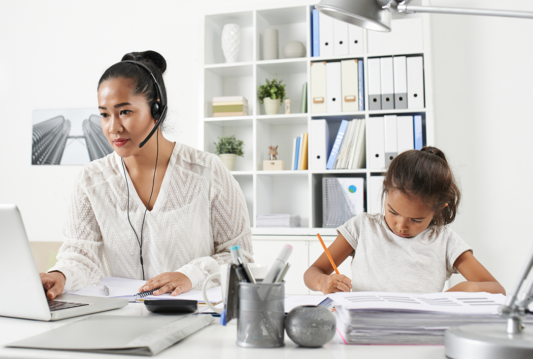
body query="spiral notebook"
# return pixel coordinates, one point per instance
(114, 334)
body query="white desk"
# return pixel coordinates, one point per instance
(212, 342)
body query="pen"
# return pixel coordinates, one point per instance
(282, 273)
(327, 253)
(278, 264)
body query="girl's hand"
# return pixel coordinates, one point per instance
(174, 282)
(335, 283)
(53, 283)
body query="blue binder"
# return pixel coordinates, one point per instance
(361, 85)
(315, 34)
(337, 145)
(297, 154)
(418, 135)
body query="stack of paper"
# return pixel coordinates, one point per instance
(278, 220)
(230, 106)
(399, 318)
(352, 152)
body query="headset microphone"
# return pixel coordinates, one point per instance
(163, 113)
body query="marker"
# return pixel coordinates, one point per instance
(278, 264)
(283, 272)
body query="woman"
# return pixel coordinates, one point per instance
(165, 212)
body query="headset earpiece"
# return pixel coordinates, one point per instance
(155, 111)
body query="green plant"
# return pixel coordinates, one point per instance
(273, 89)
(229, 145)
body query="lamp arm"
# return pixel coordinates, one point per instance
(411, 9)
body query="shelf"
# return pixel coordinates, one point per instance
(283, 173)
(230, 121)
(244, 69)
(242, 173)
(283, 67)
(415, 53)
(334, 172)
(394, 112)
(358, 114)
(282, 61)
(291, 119)
(336, 58)
(228, 65)
(293, 231)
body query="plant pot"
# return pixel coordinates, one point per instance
(271, 106)
(229, 160)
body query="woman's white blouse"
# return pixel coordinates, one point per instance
(199, 214)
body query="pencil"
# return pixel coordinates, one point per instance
(327, 253)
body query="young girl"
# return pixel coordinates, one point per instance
(409, 249)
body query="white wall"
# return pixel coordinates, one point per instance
(483, 102)
(53, 53)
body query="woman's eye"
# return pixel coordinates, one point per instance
(124, 112)
(103, 115)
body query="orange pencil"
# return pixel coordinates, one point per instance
(327, 253)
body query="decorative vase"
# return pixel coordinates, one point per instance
(271, 106)
(271, 44)
(294, 49)
(231, 42)
(310, 326)
(229, 160)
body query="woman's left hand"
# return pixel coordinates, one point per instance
(174, 282)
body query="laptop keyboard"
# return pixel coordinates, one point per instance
(58, 305)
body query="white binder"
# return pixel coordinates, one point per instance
(319, 146)
(406, 139)
(374, 84)
(374, 195)
(333, 87)
(318, 87)
(350, 85)
(375, 143)
(415, 82)
(355, 40)
(340, 36)
(326, 35)
(400, 82)
(387, 83)
(391, 139)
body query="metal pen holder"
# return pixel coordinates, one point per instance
(261, 320)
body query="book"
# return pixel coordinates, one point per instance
(230, 108)
(315, 33)
(293, 153)
(227, 114)
(304, 162)
(344, 151)
(355, 144)
(337, 145)
(303, 106)
(361, 85)
(228, 103)
(300, 151)
(230, 99)
(359, 160)
(297, 153)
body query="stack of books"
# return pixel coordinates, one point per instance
(230, 106)
(278, 220)
(299, 152)
(410, 319)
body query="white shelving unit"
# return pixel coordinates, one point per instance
(294, 192)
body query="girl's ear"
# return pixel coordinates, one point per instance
(444, 206)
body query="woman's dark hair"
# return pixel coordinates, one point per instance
(142, 81)
(425, 174)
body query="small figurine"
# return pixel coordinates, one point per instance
(287, 106)
(273, 153)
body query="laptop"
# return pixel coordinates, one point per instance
(23, 295)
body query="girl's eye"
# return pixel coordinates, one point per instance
(394, 213)
(414, 220)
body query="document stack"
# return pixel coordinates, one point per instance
(230, 106)
(399, 318)
(278, 220)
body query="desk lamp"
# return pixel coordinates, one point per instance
(487, 341)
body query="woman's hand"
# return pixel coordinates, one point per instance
(335, 283)
(174, 282)
(53, 283)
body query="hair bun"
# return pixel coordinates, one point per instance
(434, 151)
(149, 56)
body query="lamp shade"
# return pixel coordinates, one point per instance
(363, 13)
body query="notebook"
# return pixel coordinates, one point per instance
(129, 288)
(148, 335)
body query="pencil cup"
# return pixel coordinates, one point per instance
(261, 322)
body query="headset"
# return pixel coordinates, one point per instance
(158, 111)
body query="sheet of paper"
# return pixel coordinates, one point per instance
(446, 302)
(127, 288)
(293, 301)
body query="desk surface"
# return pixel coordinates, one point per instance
(214, 341)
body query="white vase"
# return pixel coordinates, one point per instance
(229, 160)
(231, 42)
(271, 44)
(294, 49)
(271, 106)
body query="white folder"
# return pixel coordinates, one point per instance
(340, 36)
(374, 84)
(333, 87)
(400, 82)
(355, 40)
(350, 85)
(375, 140)
(318, 87)
(391, 139)
(406, 139)
(374, 195)
(319, 145)
(415, 82)
(387, 83)
(325, 33)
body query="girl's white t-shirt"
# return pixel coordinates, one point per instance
(385, 262)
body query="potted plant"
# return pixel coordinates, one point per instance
(271, 94)
(228, 148)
